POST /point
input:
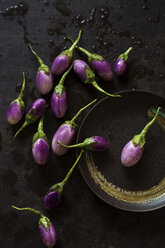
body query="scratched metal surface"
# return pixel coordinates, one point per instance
(109, 28)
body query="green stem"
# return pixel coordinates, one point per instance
(23, 87)
(76, 42)
(81, 110)
(124, 56)
(25, 124)
(128, 51)
(64, 76)
(30, 210)
(146, 128)
(71, 146)
(103, 91)
(72, 168)
(139, 139)
(38, 58)
(41, 123)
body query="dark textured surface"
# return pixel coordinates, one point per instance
(109, 28)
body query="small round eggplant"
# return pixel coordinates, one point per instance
(66, 133)
(34, 113)
(63, 60)
(133, 150)
(40, 147)
(46, 228)
(121, 63)
(98, 63)
(44, 79)
(59, 98)
(16, 108)
(95, 143)
(53, 197)
(85, 73)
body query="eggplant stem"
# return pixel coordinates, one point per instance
(71, 146)
(76, 42)
(25, 124)
(23, 87)
(81, 110)
(103, 91)
(41, 123)
(64, 76)
(38, 58)
(29, 209)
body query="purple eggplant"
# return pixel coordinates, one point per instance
(46, 228)
(121, 63)
(133, 150)
(85, 73)
(95, 143)
(44, 79)
(53, 197)
(59, 98)
(98, 63)
(64, 59)
(34, 113)
(40, 147)
(66, 133)
(17, 107)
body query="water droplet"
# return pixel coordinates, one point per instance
(19, 9)
(46, 3)
(50, 31)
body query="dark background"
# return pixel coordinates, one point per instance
(109, 28)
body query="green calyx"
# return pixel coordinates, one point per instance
(59, 90)
(69, 52)
(124, 56)
(57, 187)
(90, 76)
(42, 67)
(20, 102)
(44, 222)
(40, 133)
(71, 123)
(139, 139)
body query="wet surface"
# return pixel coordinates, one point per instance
(109, 28)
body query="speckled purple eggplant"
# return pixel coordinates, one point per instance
(44, 82)
(52, 200)
(65, 134)
(85, 73)
(15, 112)
(46, 228)
(100, 144)
(121, 63)
(53, 197)
(103, 69)
(35, 111)
(131, 154)
(16, 108)
(95, 143)
(48, 235)
(59, 104)
(63, 60)
(44, 79)
(40, 151)
(133, 150)
(60, 64)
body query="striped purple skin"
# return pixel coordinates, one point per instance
(40, 151)
(59, 104)
(60, 64)
(103, 69)
(48, 236)
(131, 154)
(65, 134)
(100, 145)
(52, 200)
(79, 67)
(38, 107)
(44, 82)
(14, 113)
(120, 66)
